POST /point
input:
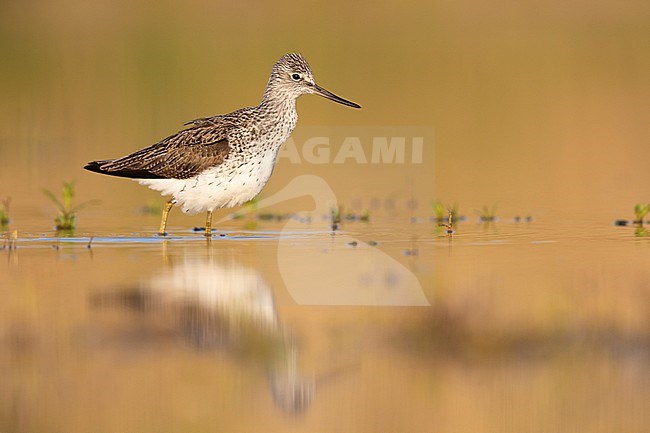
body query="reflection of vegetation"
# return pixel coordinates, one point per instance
(641, 232)
(269, 216)
(468, 331)
(67, 217)
(487, 214)
(10, 240)
(640, 212)
(248, 208)
(152, 207)
(4, 212)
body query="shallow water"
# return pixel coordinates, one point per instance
(525, 326)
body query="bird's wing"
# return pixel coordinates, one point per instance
(222, 120)
(179, 156)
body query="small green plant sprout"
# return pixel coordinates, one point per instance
(248, 207)
(253, 203)
(640, 212)
(4, 212)
(351, 216)
(67, 217)
(441, 212)
(449, 225)
(487, 214)
(335, 218)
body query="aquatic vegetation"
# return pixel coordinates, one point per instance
(640, 212)
(4, 212)
(248, 213)
(519, 219)
(335, 218)
(487, 214)
(67, 217)
(351, 216)
(449, 225)
(442, 212)
(439, 210)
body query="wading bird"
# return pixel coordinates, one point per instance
(224, 160)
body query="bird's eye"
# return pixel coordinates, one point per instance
(295, 77)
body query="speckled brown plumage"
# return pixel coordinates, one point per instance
(223, 160)
(179, 156)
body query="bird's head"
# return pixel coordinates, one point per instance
(291, 77)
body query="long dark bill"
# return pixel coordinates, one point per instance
(329, 95)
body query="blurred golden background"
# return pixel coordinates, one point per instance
(541, 107)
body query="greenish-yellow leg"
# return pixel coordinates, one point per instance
(208, 225)
(165, 214)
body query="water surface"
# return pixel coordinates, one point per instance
(541, 326)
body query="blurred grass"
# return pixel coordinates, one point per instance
(514, 90)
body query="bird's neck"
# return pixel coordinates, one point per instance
(279, 107)
(277, 99)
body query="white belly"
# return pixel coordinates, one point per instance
(230, 184)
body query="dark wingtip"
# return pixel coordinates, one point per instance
(94, 166)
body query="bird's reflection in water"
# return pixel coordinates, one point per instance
(217, 305)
